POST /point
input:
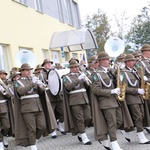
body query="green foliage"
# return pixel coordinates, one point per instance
(100, 26)
(139, 33)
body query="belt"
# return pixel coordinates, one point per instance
(30, 96)
(3, 101)
(78, 91)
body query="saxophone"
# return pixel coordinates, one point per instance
(144, 85)
(122, 86)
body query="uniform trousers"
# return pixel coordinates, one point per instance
(137, 114)
(5, 125)
(82, 114)
(36, 125)
(58, 110)
(114, 120)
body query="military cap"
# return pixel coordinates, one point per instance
(145, 47)
(3, 72)
(15, 69)
(136, 53)
(39, 67)
(35, 72)
(92, 59)
(103, 55)
(74, 59)
(129, 57)
(14, 73)
(73, 63)
(46, 61)
(25, 66)
(121, 56)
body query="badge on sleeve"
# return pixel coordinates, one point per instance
(95, 77)
(64, 79)
(16, 85)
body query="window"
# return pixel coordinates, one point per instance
(74, 55)
(45, 54)
(66, 54)
(38, 5)
(67, 4)
(60, 11)
(4, 58)
(76, 15)
(21, 1)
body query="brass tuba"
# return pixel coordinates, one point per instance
(25, 56)
(122, 86)
(144, 85)
(114, 46)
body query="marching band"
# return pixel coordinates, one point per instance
(103, 96)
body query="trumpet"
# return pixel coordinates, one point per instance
(87, 80)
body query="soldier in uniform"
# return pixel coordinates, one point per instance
(120, 61)
(145, 63)
(56, 101)
(107, 113)
(76, 104)
(27, 92)
(14, 75)
(137, 55)
(134, 102)
(3, 76)
(92, 67)
(4, 114)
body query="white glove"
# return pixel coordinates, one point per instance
(38, 82)
(141, 91)
(145, 78)
(115, 91)
(2, 89)
(34, 79)
(82, 76)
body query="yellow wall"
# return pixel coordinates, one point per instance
(22, 26)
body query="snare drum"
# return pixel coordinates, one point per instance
(55, 80)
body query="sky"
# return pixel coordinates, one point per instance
(132, 7)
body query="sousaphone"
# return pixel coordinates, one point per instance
(114, 46)
(25, 56)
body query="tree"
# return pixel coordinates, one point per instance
(100, 26)
(139, 33)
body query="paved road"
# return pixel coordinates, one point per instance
(69, 142)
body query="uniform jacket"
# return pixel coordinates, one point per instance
(106, 99)
(71, 83)
(132, 79)
(25, 87)
(145, 63)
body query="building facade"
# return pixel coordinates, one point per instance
(30, 24)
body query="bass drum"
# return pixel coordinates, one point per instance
(55, 81)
